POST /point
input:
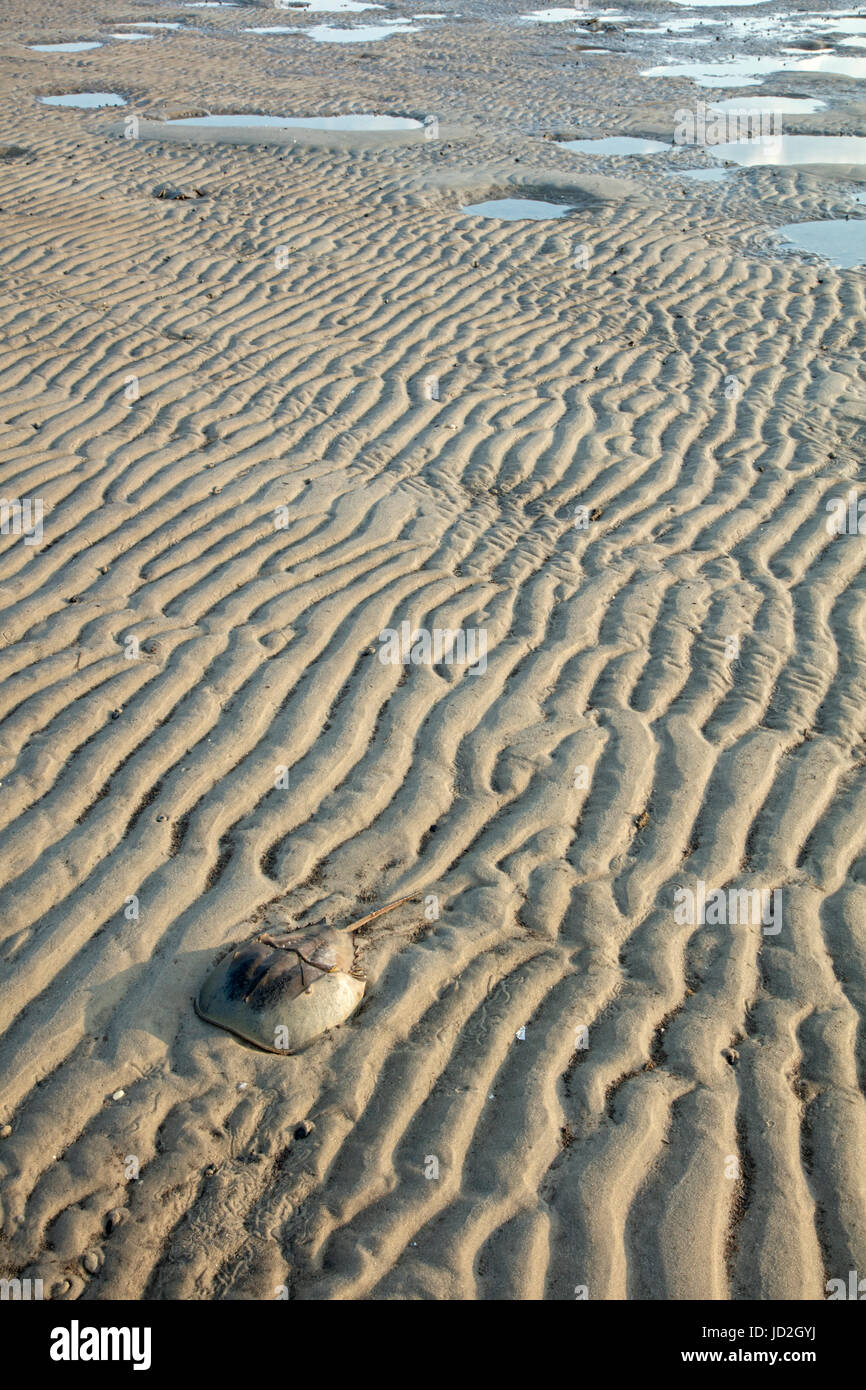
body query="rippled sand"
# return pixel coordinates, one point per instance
(277, 398)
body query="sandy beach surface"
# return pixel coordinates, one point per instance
(275, 407)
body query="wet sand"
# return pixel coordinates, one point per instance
(276, 397)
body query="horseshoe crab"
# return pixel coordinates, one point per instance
(279, 992)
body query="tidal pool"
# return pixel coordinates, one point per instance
(517, 209)
(63, 47)
(788, 25)
(361, 33)
(242, 121)
(749, 70)
(840, 241)
(832, 62)
(86, 100)
(332, 7)
(616, 144)
(794, 150)
(745, 71)
(786, 106)
(564, 15)
(717, 175)
(717, 4)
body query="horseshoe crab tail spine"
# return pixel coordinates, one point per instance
(389, 907)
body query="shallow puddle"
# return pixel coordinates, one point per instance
(717, 4)
(703, 175)
(517, 209)
(554, 16)
(790, 26)
(86, 100)
(616, 144)
(361, 33)
(672, 27)
(243, 121)
(564, 15)
(746, 71)
(832, 62)
(842, 242)
(319, 7)
(750, 70)
(785, 106)
(333, 7)
(794, 150)
(63, 47)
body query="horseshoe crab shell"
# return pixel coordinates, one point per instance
(281, 992)
(281, 999)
